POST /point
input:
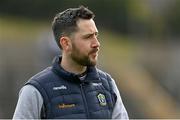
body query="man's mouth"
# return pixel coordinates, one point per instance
(94, 51)
(94, 54)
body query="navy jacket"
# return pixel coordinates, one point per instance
(66, 96)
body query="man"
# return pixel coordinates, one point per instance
(72, 88)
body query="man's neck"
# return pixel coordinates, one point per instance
(70, 66)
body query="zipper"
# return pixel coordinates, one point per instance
(84, 100)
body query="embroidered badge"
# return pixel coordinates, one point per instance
(62, 87)
(62, 106)
(96, 84)
(102, 99)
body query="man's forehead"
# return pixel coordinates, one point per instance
(87, 27)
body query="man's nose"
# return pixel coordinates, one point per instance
(95, 43)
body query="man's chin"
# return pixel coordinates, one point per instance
(93, 62)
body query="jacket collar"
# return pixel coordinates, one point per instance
(92, 74)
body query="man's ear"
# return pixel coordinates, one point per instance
(65, 42)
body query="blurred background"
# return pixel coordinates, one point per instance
(140, 48)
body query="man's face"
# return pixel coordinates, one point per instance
(85, 45)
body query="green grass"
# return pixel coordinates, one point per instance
(117, 48)
(19, 29)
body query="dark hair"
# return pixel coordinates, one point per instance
(64, 23)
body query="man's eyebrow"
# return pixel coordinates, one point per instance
(88, 34)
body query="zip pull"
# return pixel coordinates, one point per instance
(82, 84)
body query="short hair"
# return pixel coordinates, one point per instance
(65, 23)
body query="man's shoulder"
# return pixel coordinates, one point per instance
(103, 74)
(42, 77)
(42, 80)
(44, 74)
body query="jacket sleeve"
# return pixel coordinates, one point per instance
(119, 111)
(29, 104)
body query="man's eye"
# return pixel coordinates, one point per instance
(89, 36)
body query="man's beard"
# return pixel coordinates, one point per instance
(83, 60)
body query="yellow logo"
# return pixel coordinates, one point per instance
(102, 99)
(62, 106)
